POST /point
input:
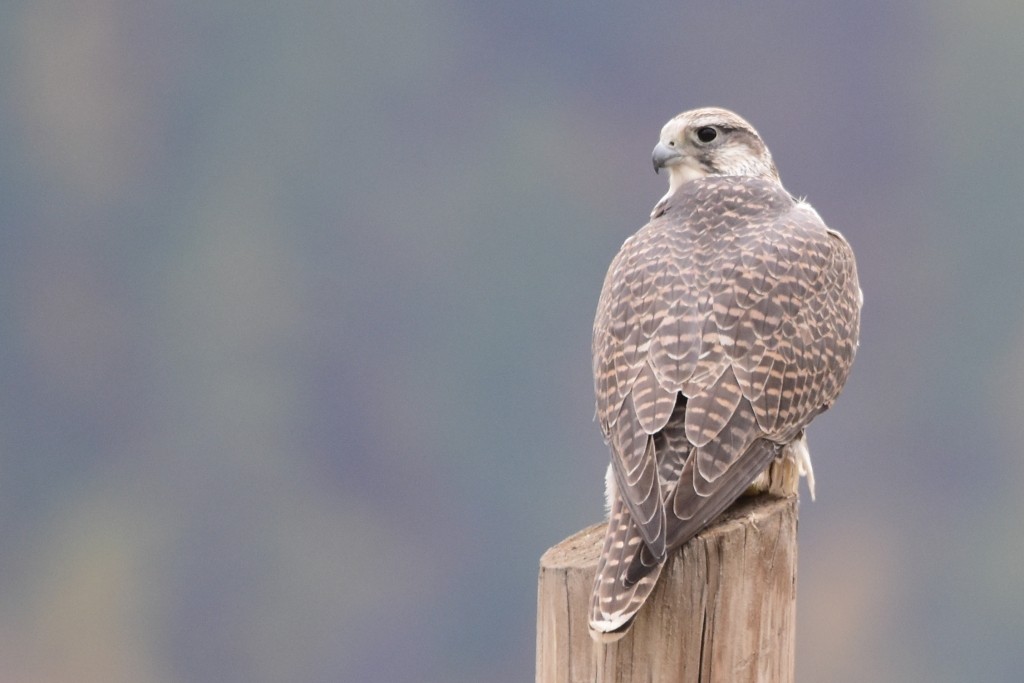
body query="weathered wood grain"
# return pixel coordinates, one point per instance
(723, 610)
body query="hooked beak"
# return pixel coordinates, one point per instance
(664, 155)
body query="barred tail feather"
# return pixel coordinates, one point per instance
(614, 603)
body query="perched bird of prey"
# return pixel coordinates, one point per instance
(724, 326)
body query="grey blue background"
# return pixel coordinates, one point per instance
(295, 308)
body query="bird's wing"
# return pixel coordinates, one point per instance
(613, 603)
(738, 304)
(646, 288)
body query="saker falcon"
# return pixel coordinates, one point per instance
(724, 326)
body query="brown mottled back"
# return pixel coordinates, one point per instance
(724, 326)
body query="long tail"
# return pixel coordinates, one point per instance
(614, 603)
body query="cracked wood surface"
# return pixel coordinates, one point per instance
(723, 609)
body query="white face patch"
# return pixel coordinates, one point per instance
(681, 173)
(673, 130)
(684, 172)
(728, 156)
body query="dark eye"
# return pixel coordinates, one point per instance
(706, 134)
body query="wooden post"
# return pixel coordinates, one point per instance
(723, 610)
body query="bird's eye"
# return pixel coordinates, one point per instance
(706, 134)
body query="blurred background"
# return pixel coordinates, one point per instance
(295, 309)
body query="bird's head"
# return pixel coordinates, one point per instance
(711, 142)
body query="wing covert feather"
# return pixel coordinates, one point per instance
(724, 326)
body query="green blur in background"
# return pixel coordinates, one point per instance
(295, 308)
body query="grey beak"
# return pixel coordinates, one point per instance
(663, 156)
